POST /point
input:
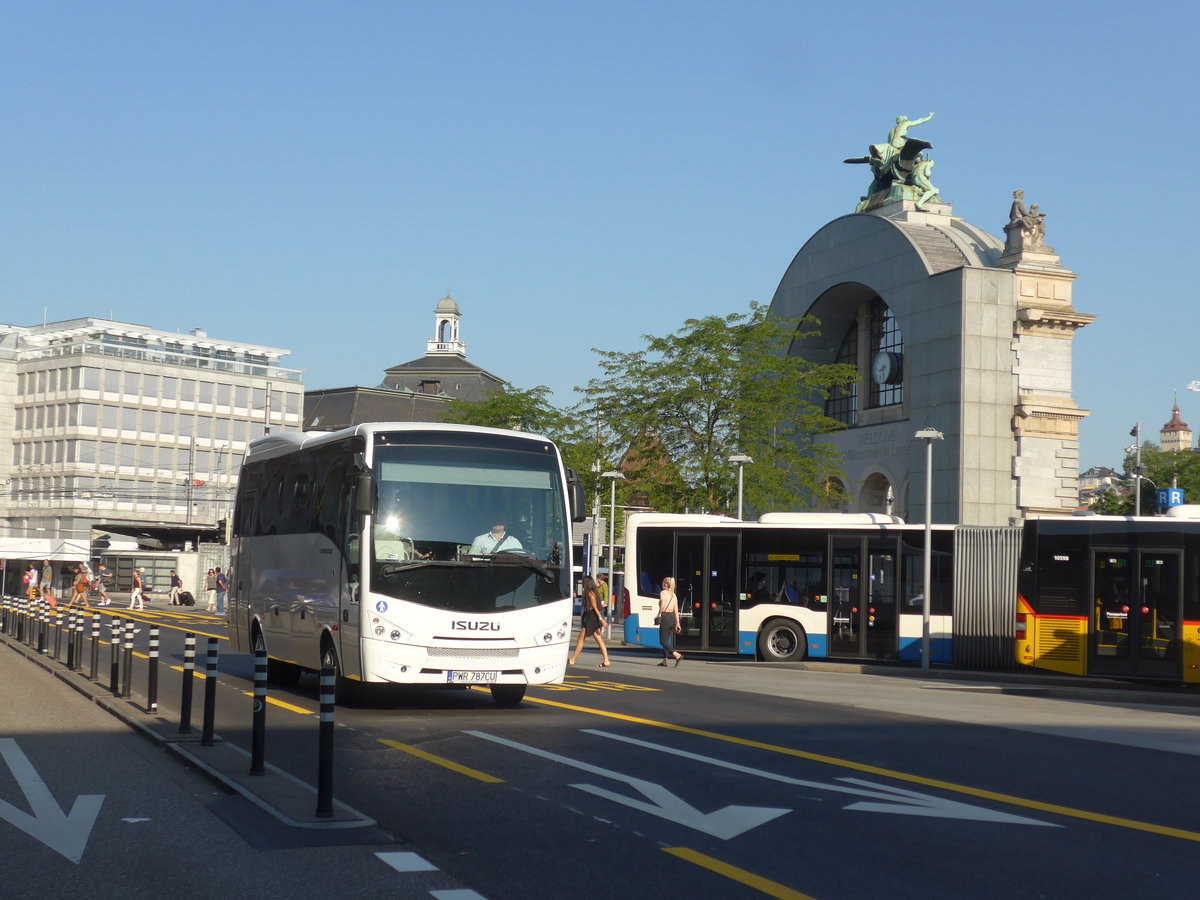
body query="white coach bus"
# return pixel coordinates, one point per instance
(406, 553)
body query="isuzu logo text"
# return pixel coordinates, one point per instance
(464, 625)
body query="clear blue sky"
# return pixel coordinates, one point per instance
(315, 176)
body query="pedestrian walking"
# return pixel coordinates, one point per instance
(47, 576)
(210, 589)
(135, 595)
(98, 583)
(590, 623)
(31, 581)
(602, 593)
(668, 621)
(80, 586)
(222, 590)
(176, 587)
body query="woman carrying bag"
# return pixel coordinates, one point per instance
(668, 621)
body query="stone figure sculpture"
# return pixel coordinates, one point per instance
(921, 181)
(894, 166)
(1026, 228)
(898, 136)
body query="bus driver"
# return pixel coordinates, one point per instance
(494, 541)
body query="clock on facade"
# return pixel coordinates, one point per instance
(887, 367)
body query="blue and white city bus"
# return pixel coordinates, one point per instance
(791, 585)
(364, 549)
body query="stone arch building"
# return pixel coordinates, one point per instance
(951, 328)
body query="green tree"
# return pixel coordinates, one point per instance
(582, 444)
(719, 386)
(1114, 503)
(510, 408)
(1163, 469)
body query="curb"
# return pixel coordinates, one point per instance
(278, 793)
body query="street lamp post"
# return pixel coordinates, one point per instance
(593, 562)
(928, 435)
(1136, 434)
(740, 460)
(612, 537)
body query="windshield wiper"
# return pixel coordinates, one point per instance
(478, 561)
(527, 561)
(390, 569)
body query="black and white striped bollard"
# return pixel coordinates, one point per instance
(127, 679)
(189, 673)
(70, 641)
(95, 646)
(152, 682)
(325, 743)
(56, 624)
(210, 694)
(78, 642)
(77, 635)
(114, 670)
(258, 740)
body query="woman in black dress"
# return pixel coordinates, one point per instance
(592, 623)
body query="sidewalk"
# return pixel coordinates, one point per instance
(118, 814)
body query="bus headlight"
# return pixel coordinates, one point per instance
(559, 631)
(380, 627)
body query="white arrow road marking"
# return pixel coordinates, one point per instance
(925, 805)
(723, 823)
(134, 821)
(65, 834)
(896, 800)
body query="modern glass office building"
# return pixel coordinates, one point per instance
(104, 421)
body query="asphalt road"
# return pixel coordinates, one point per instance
(729, 779)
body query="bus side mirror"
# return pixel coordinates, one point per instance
(575, 492)
(364, 491)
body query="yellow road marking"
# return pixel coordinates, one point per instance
(198, 673)
(993, 796)
(445, 763)
(765, 885)
(123, 613)
(282, 705)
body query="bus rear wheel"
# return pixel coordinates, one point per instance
(782, 640)
(508, 695)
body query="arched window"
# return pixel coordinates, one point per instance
(842, 404)
(886, 360)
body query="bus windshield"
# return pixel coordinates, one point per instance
(469, 528)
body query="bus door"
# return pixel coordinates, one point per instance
(350, 587)
(1137, 604)
(880, 622)
(862, 597)
(707, 589)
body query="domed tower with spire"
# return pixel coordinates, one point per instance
(416, 391)
(1175, 435)
(445, 338)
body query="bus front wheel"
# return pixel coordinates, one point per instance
(508, 694)
(343, 688)
(782, 640)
